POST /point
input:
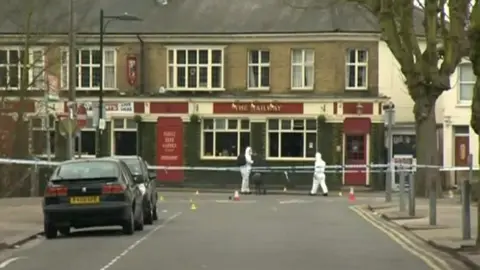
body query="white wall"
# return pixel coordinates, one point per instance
(456, 113)
(391, 83)
(449, 112)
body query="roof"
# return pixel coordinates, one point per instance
(194, 16)
(72, 161)
(127, 157)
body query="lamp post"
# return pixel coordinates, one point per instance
(103, 26)
(389, 109)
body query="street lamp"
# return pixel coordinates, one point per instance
(389, 109)
(103, 26)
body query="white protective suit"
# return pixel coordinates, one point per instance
(319, 175)
(245, 171)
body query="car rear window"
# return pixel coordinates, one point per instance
(133, 165)
(86, 170)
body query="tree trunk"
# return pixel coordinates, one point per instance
(474, 37)
(426, 146)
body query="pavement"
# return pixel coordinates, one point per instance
(445, 235)
(21, 220)
(258, 232)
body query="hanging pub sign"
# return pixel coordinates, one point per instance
(132, 70)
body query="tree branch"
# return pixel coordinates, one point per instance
(455, 42)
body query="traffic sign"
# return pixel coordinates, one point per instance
(81, 116)
(67, 127)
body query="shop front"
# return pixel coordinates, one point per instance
(286, 134)
(206, 133)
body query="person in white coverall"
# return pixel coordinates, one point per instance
(245, 171)
(319, 176)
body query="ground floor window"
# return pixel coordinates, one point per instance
(43, 130)
(85, 140)
(223, 137)
(291, 138)
(125, 137)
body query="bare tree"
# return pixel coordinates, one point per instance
(32, 24)
(426, 70)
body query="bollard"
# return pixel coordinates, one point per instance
(466, 191)
(411, 195)
(402, 190)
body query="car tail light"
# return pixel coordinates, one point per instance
(113, 189)
(56, 190)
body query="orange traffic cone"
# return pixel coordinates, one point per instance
(236, 196)
(351, 195)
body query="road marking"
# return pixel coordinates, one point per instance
(403, 241)
(9, 261)
(235, 202)
(131, 247)
(294, 201)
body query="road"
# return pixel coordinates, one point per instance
(258, 232)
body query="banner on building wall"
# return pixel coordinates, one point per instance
(170, 148)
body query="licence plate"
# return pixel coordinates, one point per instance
(85, 200)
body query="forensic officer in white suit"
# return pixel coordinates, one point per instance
(245, 171)
(319, 176)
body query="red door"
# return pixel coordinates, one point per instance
(462, 149)
(170, 148)
(355, 153)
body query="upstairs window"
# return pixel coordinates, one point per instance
(195, 69)
(466, 82)
(88, 69)
(303, 69)
(258, 70)
(357, 69)
(12, 64)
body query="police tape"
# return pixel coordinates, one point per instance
(347, 168)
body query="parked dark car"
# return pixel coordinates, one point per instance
(146, 179)
(89, 193)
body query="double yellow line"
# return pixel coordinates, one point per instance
(434, 262)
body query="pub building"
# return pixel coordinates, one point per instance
(202, 132)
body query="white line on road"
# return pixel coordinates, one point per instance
(429, 258)
(131, 247)
(234, 202)
(295, 201)
(9, 261)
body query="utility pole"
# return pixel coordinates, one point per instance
(389, 109)
(71, 76)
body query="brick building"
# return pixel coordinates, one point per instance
(195, 82)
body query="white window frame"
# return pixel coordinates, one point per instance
(36, 65)
(174, 85)
(304, 64)
(460, 83)
(125, 127)
(64, 57)
(44, 128)
(358, 66)
(261, 64)
(89, 129)
(305, 131)
(238, 130)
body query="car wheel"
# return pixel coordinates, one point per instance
(129, 224)
(139, 222)
(148, 214)
(154, 213)
(50, 230)
(65, 231)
